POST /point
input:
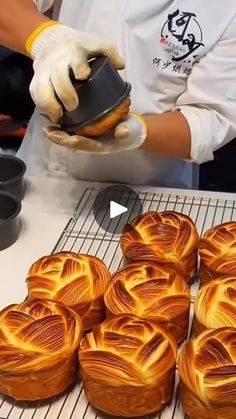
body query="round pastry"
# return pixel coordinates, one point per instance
(215, 305)
(167, 237)
(153, 292)
(128, 366)
(106, 123)
(77, 281)
(207, 368)
(38, 349)
(218, 252)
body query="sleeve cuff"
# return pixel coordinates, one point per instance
(201, 144)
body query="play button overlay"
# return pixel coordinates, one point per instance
(116, 209)
(115, 206)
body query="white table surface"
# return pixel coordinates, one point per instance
(45, 212)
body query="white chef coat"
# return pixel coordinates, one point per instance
(178, 54)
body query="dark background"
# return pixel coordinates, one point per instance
(220, 174)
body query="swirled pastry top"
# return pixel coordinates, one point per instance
(127, 350)
(215, 304)
(166, 236)
(75, 280)
(37, 334)
(218, 249)
(147, 290)
(207, 366)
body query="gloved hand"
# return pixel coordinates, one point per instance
(128, 135)
(55, 49)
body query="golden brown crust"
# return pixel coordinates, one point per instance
(207, 276)
(207, 368)
(38, 344)
(78, 281)
(106, 123)
(128, 366)
(218, 252)
(153, 292)
(215, 305)
(167, 237)
(197, 410)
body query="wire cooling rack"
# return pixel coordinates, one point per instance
(83, 235)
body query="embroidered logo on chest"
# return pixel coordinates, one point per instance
(181, 38)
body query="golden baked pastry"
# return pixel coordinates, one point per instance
(215, 305)
(166, 237)
(106, 123)
(218, 252)
(207, 368)
(78, 281)
(153, 292)
(38, 349)
(128, 366)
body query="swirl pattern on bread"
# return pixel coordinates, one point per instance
(153, 292)
(207, 368)
(215, 305)
(218, 252)
(167, 237)
(78, 281)
(128, 366)
(38, 345)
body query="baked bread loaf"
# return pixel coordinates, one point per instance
(78, 281)
(128, 366)
(207, 368)
(106, 123)
(168, 238)
(218, 252)
(38, 349)
(215, 305)
(153, 292)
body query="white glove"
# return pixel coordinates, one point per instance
(128, 135)
(56, 49)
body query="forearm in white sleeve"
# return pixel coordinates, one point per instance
(210, 130)
(209, 103)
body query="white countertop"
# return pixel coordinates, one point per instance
(46, 209)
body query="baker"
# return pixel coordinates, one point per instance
(178, 56)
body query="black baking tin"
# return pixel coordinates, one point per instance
(102, 92)
(12, 170)
(10, 208)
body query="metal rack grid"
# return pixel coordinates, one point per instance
(83, 234)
